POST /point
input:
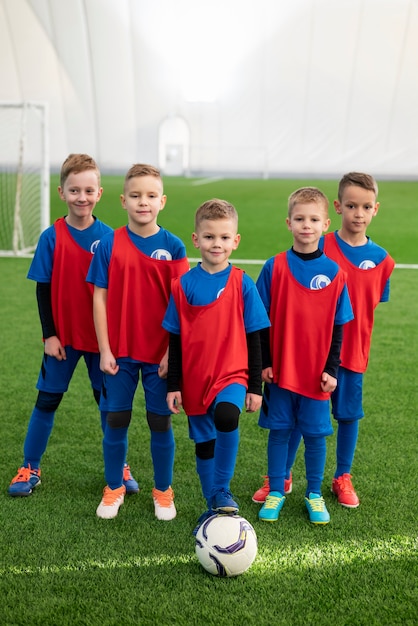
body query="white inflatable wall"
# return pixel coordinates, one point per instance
(269, 88)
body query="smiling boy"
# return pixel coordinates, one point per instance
(132, 275)
(214, 318)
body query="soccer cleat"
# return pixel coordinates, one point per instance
(343, 488)
(111, 501)
(25, 481)
(262, 493)
(205, 516)
(288, 485)
(164, 504)
(317, 510)
(270, 510)
(129, 481)
(223, 502)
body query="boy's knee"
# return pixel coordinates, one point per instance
(48, 402)
(205, 450)
(119, 419)
(158, 423)
(226, 417)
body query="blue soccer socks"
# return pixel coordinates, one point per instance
(346, 446)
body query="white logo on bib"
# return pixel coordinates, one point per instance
(319, 281)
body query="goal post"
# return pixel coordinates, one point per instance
(24, 176)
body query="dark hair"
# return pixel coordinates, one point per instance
(359, 179)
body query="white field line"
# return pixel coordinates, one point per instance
(399, 266)
(206, 181)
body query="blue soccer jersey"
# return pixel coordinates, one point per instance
(366, 256)
(202, 288)
(43, 260)
(313, 274)
(163, 245)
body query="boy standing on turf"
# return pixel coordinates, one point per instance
(307, 300)
(132, 272)
(368, 268)
(65, 303)
(214, 318)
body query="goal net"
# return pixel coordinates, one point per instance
(24, 176)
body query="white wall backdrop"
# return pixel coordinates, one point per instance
(314, 87)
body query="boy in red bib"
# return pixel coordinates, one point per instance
(214, 318)
(65, 303)
(306, 297)
(368, 268)
(132, 275)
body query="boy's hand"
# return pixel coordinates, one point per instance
(163, 367)
(328, 383)
(252, 402)
(267, 375)
(53, 347)
(108, 363)
(174, 401)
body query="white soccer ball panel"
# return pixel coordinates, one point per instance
(226, 545)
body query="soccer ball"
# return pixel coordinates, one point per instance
(226, 545)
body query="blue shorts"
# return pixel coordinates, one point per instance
(347, 399)
(202, 427)
(283, 410)
(119, 390)
(55, 375)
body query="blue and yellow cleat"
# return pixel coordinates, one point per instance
(271, 508)
(317, 510)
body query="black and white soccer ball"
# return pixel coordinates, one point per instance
(226, 545)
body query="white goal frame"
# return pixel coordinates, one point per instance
(16, 168)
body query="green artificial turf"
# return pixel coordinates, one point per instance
(61, 565)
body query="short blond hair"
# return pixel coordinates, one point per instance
(215, 209)
(358, 179)
(142, 169)
(304, 195)
(76, 163)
